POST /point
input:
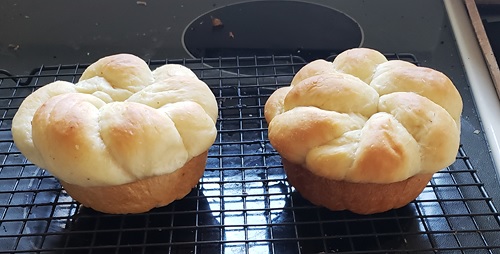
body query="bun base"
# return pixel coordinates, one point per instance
(142, 195)
(361, 198)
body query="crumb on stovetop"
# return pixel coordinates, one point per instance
(217, 23)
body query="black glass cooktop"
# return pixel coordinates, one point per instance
(243, 203)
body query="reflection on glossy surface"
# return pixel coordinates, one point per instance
(175, 227)
(272, 28)
(246, 208)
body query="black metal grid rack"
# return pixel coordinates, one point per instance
(243, 204)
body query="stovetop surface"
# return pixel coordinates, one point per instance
(243, 203)
(70, 35)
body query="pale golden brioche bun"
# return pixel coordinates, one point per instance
(118, 126)
(403, 124)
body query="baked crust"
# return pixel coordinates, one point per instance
(361, 198)
(142, 195)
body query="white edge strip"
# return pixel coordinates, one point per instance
(480, 81)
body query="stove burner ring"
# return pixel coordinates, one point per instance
(307, 30)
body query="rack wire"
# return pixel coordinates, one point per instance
(243, 203)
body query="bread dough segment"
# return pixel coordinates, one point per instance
(172, 70)
(195, 127)
(178, 89)
(427, 82)
(275, 103)
(389, 65)
(313, 68)
(331, 160)
(142, 140)
(21, 123)
(382, 151)
(429, 124)
(359, 62)
(121, 71)
(102, 89)
(335, 92)
(386, 153)
(72, 120)
(301, 129)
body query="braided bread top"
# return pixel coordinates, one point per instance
(119, 123)
(363, 118)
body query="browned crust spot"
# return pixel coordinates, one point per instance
(143, 195)
(361, 198)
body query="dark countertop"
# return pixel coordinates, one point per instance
(36, 33)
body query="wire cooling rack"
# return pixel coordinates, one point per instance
(243, 203)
